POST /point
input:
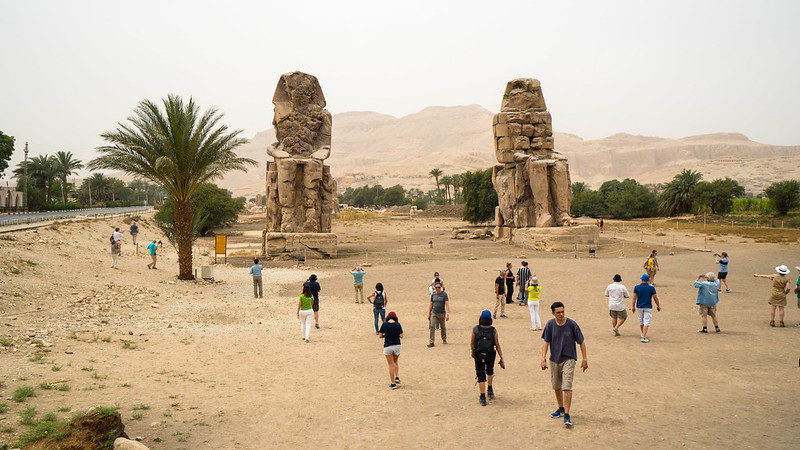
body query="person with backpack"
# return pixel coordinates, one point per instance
(378, 300)
(134, 232)
(391, 332)
(484, 346)
(651, 266)
(116, 248)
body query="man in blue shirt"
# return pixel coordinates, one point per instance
(255, 271)
(707, 299)
(358, 282)
(152, 247)
(722, 275)
(315, 288)
(643, 296)
(560, 335)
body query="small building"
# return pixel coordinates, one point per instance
(10, 200)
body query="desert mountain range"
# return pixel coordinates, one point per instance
(372, 148)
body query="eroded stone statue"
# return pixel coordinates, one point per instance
(532, 181)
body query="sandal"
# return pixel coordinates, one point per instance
(772, 323)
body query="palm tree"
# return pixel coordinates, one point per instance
(446, 181)
(436, 173)
(456, 180)
(98, 187)
(66, 166)
(678, 195)
(138, 186)
(43, 171)
(178, 149)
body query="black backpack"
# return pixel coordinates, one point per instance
(484, 342)
(111, 238)
(378, 303)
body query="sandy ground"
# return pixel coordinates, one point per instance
(205, 365)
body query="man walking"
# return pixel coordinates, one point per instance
(707, 299)
(255, 271)
(438, 313)
(358, 282)
(523, 275)
(643, 296)
(315, 288)
(117, 236)
(134, 232)
(617, 293)
(560, 335)
(500, 295)
(152, 248)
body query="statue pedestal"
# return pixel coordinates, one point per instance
(310, 245)
(550, 239)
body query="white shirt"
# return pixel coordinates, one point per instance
(117, 236)
(616, 293)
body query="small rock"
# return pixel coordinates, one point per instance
(436, 414)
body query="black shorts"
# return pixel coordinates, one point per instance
(484, 365)
(722, 275)
(315, 305)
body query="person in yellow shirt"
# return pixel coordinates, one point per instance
(533, 302)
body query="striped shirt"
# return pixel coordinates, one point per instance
(524, 274)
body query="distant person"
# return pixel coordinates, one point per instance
(651, 266)
(781, 285)
(707, 298)
(601, 225)
(534, 290)
(379, 301)
(617, 293)
(438, 313)
(509, 276)
(392, 332)
(722, 275)
(255, 271)
(484, 347)
(436, 280)
(315, 288)
(500, 295)
(560, 335)
(117, 236)
(358, 282)
(305, 312)
(116, 248)
(151, 247)
(134, 232)
(797, 291)
(643, 296)
(523, 275)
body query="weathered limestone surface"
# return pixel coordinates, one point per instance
(301, 194)
(532, 181)
(552, 239)
(311, 245)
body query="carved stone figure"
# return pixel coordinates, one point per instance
(532, 181)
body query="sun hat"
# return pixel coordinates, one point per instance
(534, 280)
(645, 277)
(617, 278)
(486, 314)
(782, 269)
(312, 277)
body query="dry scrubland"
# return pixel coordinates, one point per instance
(204, 365)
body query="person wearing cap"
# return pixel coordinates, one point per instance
(500, 295)
(617, 293)
(391, 332)
(438, 313)
(707, 298)
(644, 295)
(315, 288)
(781, 285)
(152, 248)
(560, 335)
(534, 290)
(523, 275)
(484, 355)
(358, 282)
(258, 286)
(722, 275)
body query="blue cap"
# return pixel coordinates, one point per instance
(645, 277)
(486, 314)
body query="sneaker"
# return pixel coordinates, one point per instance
(392, 386)
(494, 316)
(797, 325)
(444, 341)
(559, 412)
(616, 331)
(430, 345)
(645, 340)
(503, 316)
(397, 380)
(718, 330)
(482, 400)
(490, 392)
(703, 331)
(567, 421)
(316, 325)
(728, 291)
(306, 341)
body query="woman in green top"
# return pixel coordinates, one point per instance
(305, 313)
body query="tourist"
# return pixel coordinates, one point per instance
(358, 282)
(651, 266)
(378, 304)
(534, 290)
(500, 295)
(797, 292)
(722, 275)
(438, 313)
(523, 275)
(391, 331)
(484, 346)
(134, 232)
(707, 298)
(560, 335)
(117, 237)
(509, 276)
(643, 296)
(305, 312)
(601, 225)
(315, 288)
(116, 248)
(151, 247)
(781, 285)
(436, 280)
(255, 271)
(617, 293)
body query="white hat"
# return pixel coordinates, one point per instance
(783, 270)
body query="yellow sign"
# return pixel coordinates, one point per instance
(221, 245)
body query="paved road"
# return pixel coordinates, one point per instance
(18, 219)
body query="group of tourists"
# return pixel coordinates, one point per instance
(116, 246)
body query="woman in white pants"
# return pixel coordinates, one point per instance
(305, 312)
(533, 302)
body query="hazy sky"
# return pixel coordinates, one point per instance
(74, 69)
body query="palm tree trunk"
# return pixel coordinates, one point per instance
(183, 231)
(63, 194)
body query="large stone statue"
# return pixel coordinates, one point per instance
(532, 181)
(301, 194)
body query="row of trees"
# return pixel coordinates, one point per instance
(455, 181)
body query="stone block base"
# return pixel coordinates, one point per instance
(550, 239)
(310, 245)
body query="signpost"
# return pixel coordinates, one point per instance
(221, 247)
